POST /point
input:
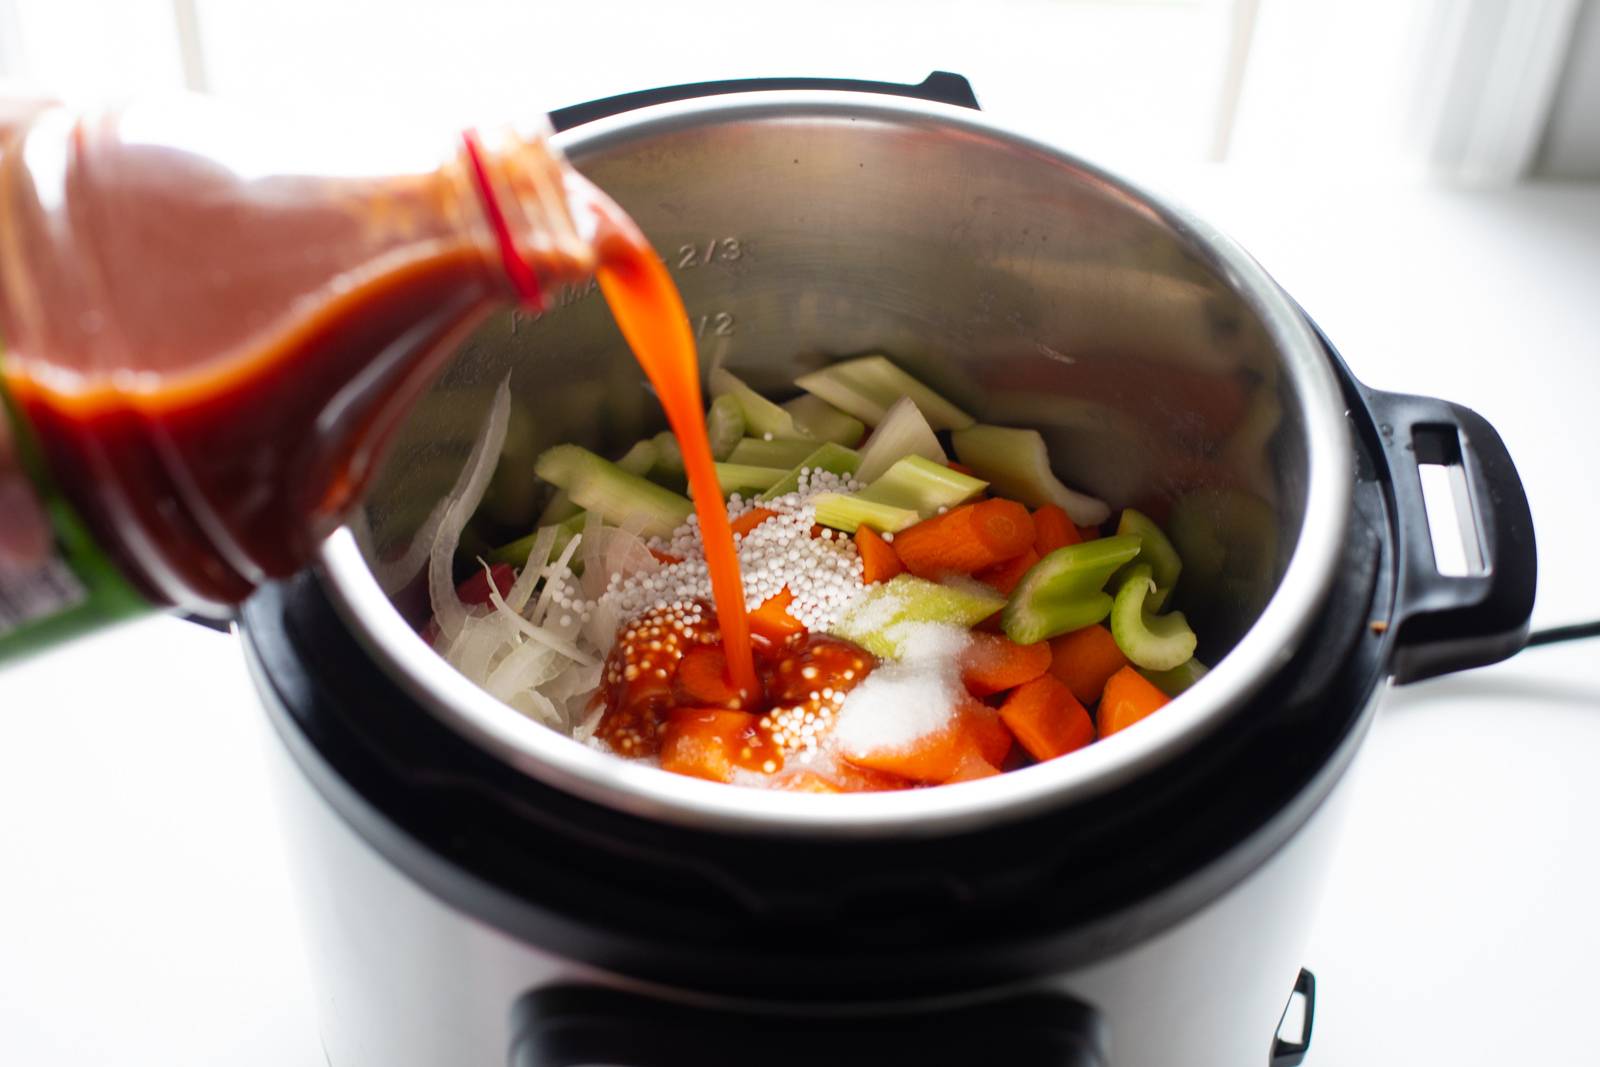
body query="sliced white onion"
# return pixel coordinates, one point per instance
(527, 666)
(532, 568)
(562, 569)
(537, 633)
(448, 610)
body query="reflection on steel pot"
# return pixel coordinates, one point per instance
(480, 888)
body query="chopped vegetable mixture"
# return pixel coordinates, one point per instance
(928, 603)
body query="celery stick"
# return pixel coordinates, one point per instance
(836, 459)
(761, 416)
(754, 452)
(1154, 642)
(923, 486)
(725, 425)
(516, 552)
(613, 494)
(1015, 463)
(903, 432)
(668, 459)
(873, 619)
(1064, 591)
(821, 420)
(845, 511)
(1154, 549)
(743, 479)
(558, 508)
(867, 387)
(1178, 678)
(639, 458)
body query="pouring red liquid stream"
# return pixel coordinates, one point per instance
(650, 313)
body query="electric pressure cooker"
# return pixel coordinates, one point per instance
(479, 890)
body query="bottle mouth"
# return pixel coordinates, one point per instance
(527, 188)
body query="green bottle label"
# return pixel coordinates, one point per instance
(55, 582)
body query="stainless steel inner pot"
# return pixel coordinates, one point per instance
(1032, 288)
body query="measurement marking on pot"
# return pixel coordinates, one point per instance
(715, 250)
(714, 324)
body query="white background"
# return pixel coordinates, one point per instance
(144, 915)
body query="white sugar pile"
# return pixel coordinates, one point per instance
(907, 699)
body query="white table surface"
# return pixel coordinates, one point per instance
(145, 918)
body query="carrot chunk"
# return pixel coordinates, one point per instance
(703, 679)
(966, 539)
(933, 757)
(989, 734)
(1128, 697)
(666, 558)
(961, 468)
(1088, 533)
(972, 768)
(1052, 529)
(750, 520)
(878, 561)
(710, 742)
(1084, 659)
(1046, 718)
(991, 663)
(772, 620)
(1003, 577)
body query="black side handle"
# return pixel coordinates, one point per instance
(582, 1026)
(1293, 1053)
(941, 87)
(1449, 623)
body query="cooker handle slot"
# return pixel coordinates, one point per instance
(941, 87)
(1450, 622)
(584, 1026)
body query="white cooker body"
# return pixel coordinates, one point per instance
(403, 979)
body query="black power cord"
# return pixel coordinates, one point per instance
(1556, 634)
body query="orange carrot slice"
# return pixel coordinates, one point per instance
(806, 782)
(878, 561)
(1084, 659)
(703, 680)
(1046, 718)
(1088, 533)
(710, 742)
(1128, 697)
(772, 620)
(750, 520)
(989, 734)
(932, 757)
(991, 663)
(1003, 577)
(665, 557)
(966, 539)
(1052, 529)
(972, 768)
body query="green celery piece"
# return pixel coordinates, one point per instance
(836, 459)
(923, 486)
(640, 458)
(558, 508)
(847, 512)
(1177, 679)
(1017, 465)
(754, 452)
(816, 418)
(871, 620)
(903, 432)
(613, 494)
(743, 479)
(1154, 549)
(1154, 642)
(516, 552)
(725, 425)
(1064, 591)
(668, 459)
(867, 387)
(761, 416)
